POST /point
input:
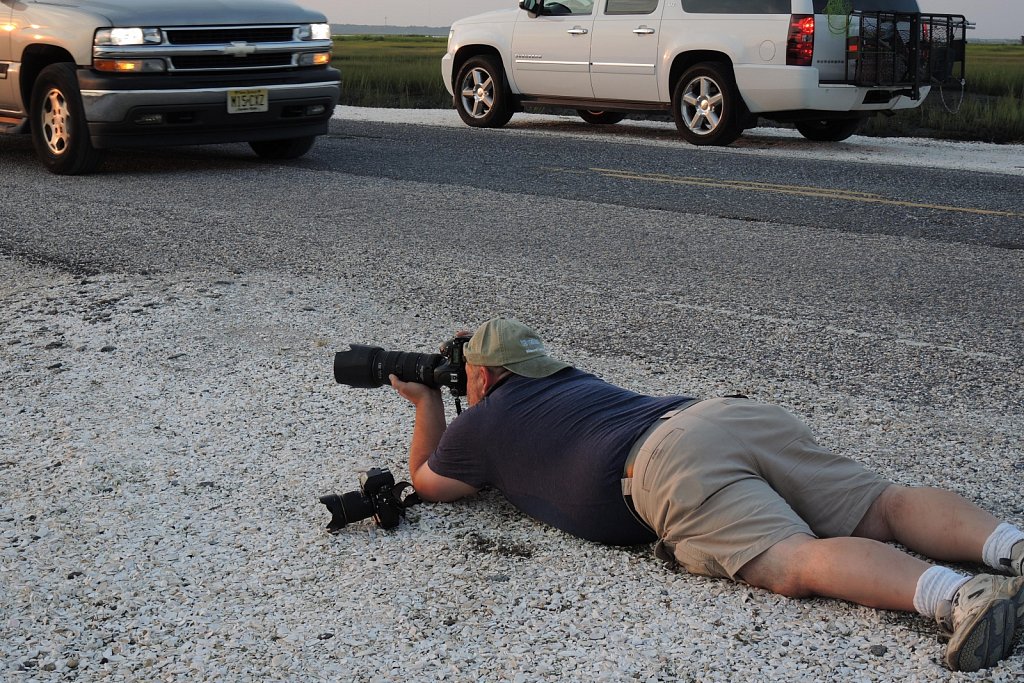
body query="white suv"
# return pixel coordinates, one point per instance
(716, 65)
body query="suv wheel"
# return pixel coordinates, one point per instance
(290, 148)
(706, 105)
(828, 130)
(600, 118)
(59, 131)
(482, 98)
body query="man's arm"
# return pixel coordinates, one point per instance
(426, 434)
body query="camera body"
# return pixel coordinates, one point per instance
(368, 367)
(378, 496)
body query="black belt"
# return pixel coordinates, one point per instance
(627, 470)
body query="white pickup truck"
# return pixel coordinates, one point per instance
(714, 65)
(85, 75)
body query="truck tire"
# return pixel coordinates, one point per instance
(600, 118)
(481, 96)
(828, 130)
(706, 105)
(60, 133)
(290, 148)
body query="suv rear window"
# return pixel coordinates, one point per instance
(736, 6)
(869, 5)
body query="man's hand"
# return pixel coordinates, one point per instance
(414, 392)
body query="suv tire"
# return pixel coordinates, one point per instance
(600, 118)
(828, 130)
(57, 119)
(707, 106)
(481, 96)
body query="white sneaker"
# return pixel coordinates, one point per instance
(1015, 562)
(981, 620)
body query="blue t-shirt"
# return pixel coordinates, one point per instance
(555, 447)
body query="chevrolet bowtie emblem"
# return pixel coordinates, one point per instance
(239, 48)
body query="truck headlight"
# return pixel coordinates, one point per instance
(127, 36)
(315, 32)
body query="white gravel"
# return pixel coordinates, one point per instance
(165, 439)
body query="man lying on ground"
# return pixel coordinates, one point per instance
(727, 487)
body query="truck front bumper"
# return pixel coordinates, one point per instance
(132, 111)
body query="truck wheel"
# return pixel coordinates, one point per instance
(290, 148)
(828, 130)
(60, 134)
(706, 106)
(482, 98)
(600, 118)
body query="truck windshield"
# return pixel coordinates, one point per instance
(869, 5)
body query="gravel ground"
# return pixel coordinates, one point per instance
(165, 440)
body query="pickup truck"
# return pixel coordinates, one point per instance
(715, 66)
(82, 76)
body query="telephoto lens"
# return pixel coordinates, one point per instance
(368, 367)
(347, 508)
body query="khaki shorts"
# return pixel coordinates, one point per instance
(725, 479)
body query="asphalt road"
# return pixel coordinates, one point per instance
(883, 280)
(980, 208)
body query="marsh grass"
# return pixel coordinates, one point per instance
(405, 72)
(990, 108)
(996, 70)
(391, 71)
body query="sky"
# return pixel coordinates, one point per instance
(995, 18)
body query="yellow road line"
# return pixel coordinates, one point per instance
(819, 192)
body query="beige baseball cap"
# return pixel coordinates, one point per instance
(501, 342)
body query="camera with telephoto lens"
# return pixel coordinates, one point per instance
(367, 367)
(378, 497)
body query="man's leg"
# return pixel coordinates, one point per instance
(934, 522)
(859, 570)
(978, 613)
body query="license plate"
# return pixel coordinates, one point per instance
(247, 101)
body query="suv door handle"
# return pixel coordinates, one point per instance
(577, 31)
(643, 30)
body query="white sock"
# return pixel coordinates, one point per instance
(998, 545)
(934, 586)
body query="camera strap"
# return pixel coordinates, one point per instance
(409, 499)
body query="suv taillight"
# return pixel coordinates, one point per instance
(800, 46)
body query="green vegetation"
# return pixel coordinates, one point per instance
(990, 109)
(996, 70)
(391, 71)
(405, 71)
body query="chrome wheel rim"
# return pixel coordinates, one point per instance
(702, 105)
(55, 122)
(478, 93)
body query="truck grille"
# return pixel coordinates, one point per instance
(248, 34)
(227, 62)
(198, 49)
